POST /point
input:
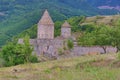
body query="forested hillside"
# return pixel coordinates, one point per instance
(19, 15)
(79, 24)
(106, 4)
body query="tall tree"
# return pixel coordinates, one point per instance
(103, 37)
(28, 49)
(115, 34)
(100, 36)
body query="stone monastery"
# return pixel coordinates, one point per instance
(47, 44)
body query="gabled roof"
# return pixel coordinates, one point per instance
(46, 19)
(66, 25)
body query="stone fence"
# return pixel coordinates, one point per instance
(78, 50)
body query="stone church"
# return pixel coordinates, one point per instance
(46, 43)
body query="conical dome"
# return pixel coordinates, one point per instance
(46, 19)
(66, 25)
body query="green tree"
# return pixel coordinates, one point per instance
(115, 34)
(14, 54)
(70, 44)
(87, 39)
(100, 36)
(103, 37)
(58, 28)
(88, 27)
(28, 49)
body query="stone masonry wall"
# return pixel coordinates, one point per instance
(66, 32)
(51, 47)
(78, 50)
(45, 32)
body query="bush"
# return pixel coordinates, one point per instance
(2, 62)
(14, 54)
(70, 44)
(33, 59)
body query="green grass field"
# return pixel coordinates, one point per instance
(97, 67)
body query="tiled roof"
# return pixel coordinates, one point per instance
(46, 19)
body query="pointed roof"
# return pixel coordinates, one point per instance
(46, 19)
(66, 25)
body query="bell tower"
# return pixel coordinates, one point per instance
(45, 27)
(66, 30)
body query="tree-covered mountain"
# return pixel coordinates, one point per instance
(106, 4)
(18, 15)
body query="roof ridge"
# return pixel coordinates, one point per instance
(66, 24)
(46, 19)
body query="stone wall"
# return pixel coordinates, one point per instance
(45, 32)
(45, 46)
(89, 50)
(66, 32)
(50, 47)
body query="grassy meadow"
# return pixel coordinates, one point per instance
(93, 67)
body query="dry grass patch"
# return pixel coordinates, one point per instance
(64, 69)
(109, 20)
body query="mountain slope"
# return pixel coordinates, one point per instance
(18, 15)
(106, 4)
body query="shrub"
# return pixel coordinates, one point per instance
(70, 44)
(15, 54)
(33, 59)
(118, 55)
(2, 62)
